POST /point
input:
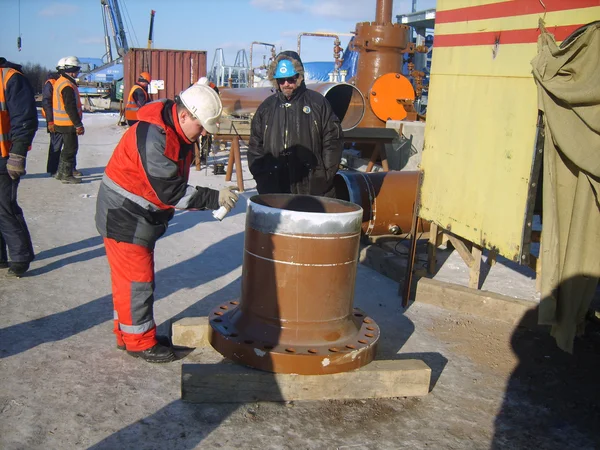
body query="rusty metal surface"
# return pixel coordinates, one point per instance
(346, 100)
(387, 199)
(177, 68)
(383, 11)
(296, 314)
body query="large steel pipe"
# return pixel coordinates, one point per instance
(346, 100)
(387, 199)
(296, 314)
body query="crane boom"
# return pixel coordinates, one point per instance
(116, 22)
(151, 31)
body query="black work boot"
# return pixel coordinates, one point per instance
(60, 171)
(162, 340)
(157, 354)
(67, 177)
(17, 269)
(3, 264)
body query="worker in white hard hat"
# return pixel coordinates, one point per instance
(68, 116)
(144, 182)
(56, 139)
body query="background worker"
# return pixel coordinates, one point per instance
(18, 125)
(56, 140)
(295, 139)
(68, 115)
(145, 180)
(138, 97)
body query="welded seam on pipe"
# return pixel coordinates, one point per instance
(302, 236)
(299, 264)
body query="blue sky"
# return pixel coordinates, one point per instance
(51, 30)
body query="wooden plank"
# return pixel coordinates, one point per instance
(462, 249)
(432, 248)
(237, 157)
(491, 261)
(472, 301)
(230, 162)
(190, 332)
(475, 272)
(233, 383)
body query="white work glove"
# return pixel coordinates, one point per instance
(227, 197)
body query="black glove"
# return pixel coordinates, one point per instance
(15, 166)
(227, 197)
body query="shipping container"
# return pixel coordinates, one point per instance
(177, 69)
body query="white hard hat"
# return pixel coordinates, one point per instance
(203, 80)
(60, 64)
(71, 62)
(204, 104)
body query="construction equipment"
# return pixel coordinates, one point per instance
(97, 81)
(233, 76)
(151, 31)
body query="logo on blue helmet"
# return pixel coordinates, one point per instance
(285, 69)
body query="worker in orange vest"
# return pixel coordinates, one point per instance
(56, 140)
(18, 125)
(138, 97)
(67, 114)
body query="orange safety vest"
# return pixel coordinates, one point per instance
(131, 108)
(61, 118)
(52, 81)
(4, 116)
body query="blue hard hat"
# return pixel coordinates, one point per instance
(285, 69)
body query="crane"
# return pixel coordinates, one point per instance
(151, 31)
(111, 16)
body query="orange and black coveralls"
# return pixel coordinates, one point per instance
(144, 182)
(137, 98)
(18, 125)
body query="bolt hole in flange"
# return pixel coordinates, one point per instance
(218, 313)
(312, 350)
(371, 328)
(358, 315)
(248, 341)
(369, 335)
(290, 350)
(334, 349)
(234, 303)
(268, 347)
(362, 341)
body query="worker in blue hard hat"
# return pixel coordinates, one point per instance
(296, 138)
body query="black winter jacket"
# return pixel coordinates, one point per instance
(20, 102)
(47, 93)
(295, 145)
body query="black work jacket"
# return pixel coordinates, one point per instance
(295, 145)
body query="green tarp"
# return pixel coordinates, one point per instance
(568, 81)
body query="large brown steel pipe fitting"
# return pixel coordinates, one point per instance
(295, 314)
(387, 199)
(346, 100)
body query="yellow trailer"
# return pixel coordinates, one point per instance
(481, 120)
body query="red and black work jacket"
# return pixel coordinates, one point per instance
(137, 98)
(146, 179)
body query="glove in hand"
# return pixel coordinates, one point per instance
(15, 166)
(51, 127)
(227, 197)
(80, 131)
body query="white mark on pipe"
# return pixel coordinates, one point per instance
(301, 264)
(325, 362)
(301, 236)
(259, 352)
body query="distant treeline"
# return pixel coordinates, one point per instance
(36, 74)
